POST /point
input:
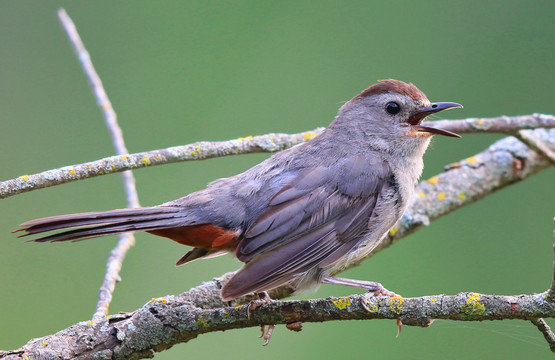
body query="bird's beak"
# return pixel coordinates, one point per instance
(416, 118)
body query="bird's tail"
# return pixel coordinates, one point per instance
(94, 224)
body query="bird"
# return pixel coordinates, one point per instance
(302, 215)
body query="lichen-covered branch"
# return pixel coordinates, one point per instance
(505, 162)
(501, 124)
(164, 322)
(263, 143)
(127, 240)
(114, 164)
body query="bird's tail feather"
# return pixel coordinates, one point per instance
(94, 224)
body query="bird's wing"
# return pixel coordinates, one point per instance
(312, 221)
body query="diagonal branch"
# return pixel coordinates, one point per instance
(127, 240)
(263, 143)
(546, 331)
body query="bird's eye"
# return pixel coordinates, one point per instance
(392, 108)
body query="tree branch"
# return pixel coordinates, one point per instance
(114, 164)
(164, 322)
(263, 143)
(126, 240)
(546, 331)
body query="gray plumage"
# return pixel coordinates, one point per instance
(304, 213)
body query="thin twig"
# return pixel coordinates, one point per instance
(127, 240)
(247, 145)
(546, 331)
(551, 293)
(501, 124)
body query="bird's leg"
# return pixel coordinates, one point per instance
(374, 289)
(263, 298)
(268, 334)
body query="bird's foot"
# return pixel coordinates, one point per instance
(374, 289)
(263, 298)
(266, 335)
(380, 290)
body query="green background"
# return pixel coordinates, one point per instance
(180, 72)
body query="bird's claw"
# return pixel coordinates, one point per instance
(263, 298)
(376, 290)
(380, 290)
(268, 334)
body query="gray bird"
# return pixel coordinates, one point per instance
(303, 214)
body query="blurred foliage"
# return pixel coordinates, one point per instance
(179, 72)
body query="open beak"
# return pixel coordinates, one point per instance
(416, 118)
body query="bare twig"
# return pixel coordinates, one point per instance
(102, 100)
(546, 331)
(551, 294)
(263, 143)
(127, 240)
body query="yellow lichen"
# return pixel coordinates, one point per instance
(421, 194)
(473, 307)
(161, 300)
(196, 151)
(145, 161)
(247, 138)
(474, 298)
(433, 300)
(342, 303)
(471, 160)
(461, 196)
(90, 323)
(441, 196)
(480, 121)
(24, 177)
(433, 180)
(124, 157)
(202, 322)
(44, 344)
(309, 135)
(372, 308)
(158, 157)
(72, 172)
(395, 303)
(393, 231)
